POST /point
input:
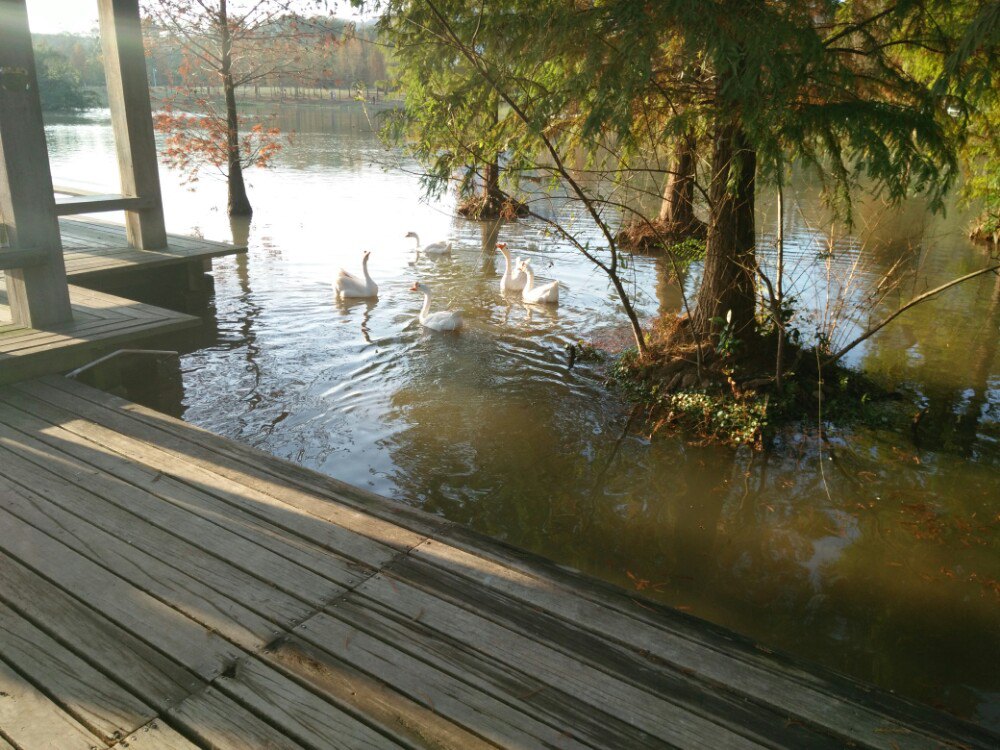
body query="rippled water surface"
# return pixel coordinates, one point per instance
(877, 556)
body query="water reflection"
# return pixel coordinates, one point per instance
(875, 556)
(490, 233)
(358, 305)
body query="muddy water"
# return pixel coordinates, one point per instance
(874, 554)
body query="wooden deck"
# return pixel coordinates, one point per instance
(94, 248)
(162, 587)
(101, 322)
(98, 251)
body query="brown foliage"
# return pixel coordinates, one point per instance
(194, 141)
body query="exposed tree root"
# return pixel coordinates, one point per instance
(657, 236)
(986, 233)
(490, 208)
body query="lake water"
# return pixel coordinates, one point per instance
(870, 554)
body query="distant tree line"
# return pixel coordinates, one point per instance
(68, 67)
(335, 54)
(329, 53)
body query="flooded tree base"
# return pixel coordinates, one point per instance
(732, 398)
(658, 236)
(986, 233)
(491, 208)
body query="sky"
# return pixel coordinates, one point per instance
(80, 16)
(55, 16)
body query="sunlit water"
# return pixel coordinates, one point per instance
(877, 556)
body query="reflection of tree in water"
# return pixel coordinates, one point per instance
(554, 469)
(670, 288)
(237, 334)
(950, 362)
(489, 232)
(983, 356)
(250, 308)
(911, 597)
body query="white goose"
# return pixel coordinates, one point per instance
(350, 286)
(546, 294)
(433, 248)
(514, 278)
(444, 320)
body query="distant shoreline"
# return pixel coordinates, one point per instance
(321, 98)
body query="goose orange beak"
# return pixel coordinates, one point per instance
(414, 287)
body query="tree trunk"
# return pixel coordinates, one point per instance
(728, 285)
(677, 209)
(239, 203)
(492, 196)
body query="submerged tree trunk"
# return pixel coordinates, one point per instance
(676, 220)
(677, 210)
(728, 286)
(239, 203)
(492, 196)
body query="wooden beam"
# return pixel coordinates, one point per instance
(16, 259)
(88, 204)
(131, 118)
(38, 294)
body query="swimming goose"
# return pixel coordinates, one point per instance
(546, 294)
(444, 320)
(514, 277)
(434, 248)
(350, 286)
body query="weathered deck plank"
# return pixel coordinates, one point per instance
(456, 681)
(217, 597)
(257, 518)
(90, 697)
(97, 248)
(125, 558)
(311, 719)
(385, 708)
(153, 677)
(31, 720)
(153, 736)
(197, 648)
(181, 510)
(552, 672)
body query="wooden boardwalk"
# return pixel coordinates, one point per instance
(101, 323)
(162, 587)
(93, 248)
(98, 251)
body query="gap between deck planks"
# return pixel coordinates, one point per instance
(420, 634)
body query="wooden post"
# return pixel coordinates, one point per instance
(131, 117)
(38, 295)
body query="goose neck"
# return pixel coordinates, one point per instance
(531, 278)
(507, 273)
